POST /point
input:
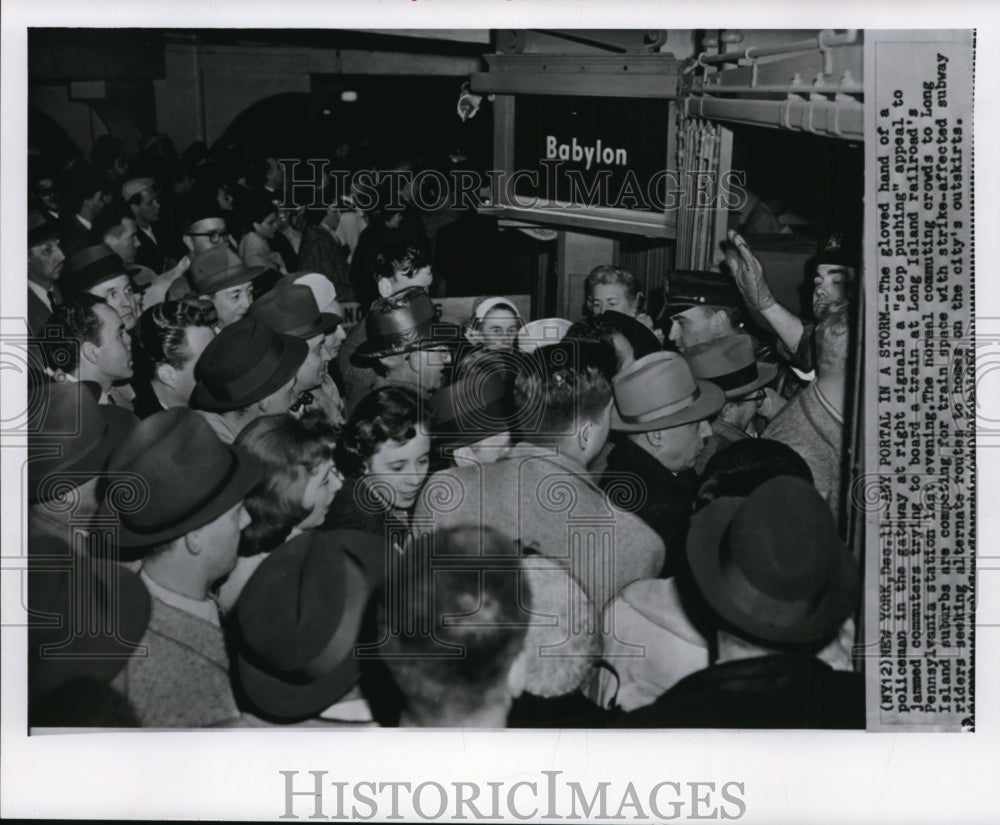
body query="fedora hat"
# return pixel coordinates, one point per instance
(480, 403)
(41, 230)
(730, 364)
(87, 268)
(772, 565)
(688, 288)
(191, 477)
(403, 322)
(643, 340)
(115, 601)
(245, 362)
(69, 432)
(298, 619)
(658, 392)
(563, 640)
(541, 333)
(220, 268)
(292, 310)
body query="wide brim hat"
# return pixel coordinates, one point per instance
(90, 266)
(291, 309)
(40, 230)
(53, 594)
(70, 433)
(643, 340)
(299, 617)
(178, 476)
(220, 268)
(541, 333)
(246, 362)
(771, 564)
(477, 405)
(403, 322)
(729, 363)
(658, 392)
(562, 643)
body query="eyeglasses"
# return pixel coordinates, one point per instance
(215, 236)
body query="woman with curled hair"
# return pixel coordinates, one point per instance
(384, 450)
(169, 338)
(300, 481)
(610, 288)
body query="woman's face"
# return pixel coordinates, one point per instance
(499, 328)
(268, 227)
(322, 485)
(399, 470)
(611, 296)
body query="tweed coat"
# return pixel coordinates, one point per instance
(550, 503)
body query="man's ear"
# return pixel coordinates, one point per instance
(193, 543)
(88, 350)
(188, 243)
(654, 438)
(384, 287)
(585, 433)
(166, 375)
(719, 320)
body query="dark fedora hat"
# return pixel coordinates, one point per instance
(729, 363)
(480, 403)
(771, 564)
(658, 392)
(87, 268)
(112, 597)
(688, 288)
(292, 310)
(69, 432)
(220, 268)
(245, 362)
(41, 230)
(190, 477)
(643, 340)
(299, 618)
(403, 322)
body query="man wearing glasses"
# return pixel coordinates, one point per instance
(206, 233)
(729, 363)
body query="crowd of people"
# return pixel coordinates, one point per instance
(613, 519)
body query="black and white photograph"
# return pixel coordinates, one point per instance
(574, 415)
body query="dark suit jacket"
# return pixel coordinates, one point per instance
(668, 498)
(151, 254)
(780, 691)
(38, 314)
(74, 236)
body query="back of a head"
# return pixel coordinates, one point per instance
(288, 449)
(77, 323)
(400, 260)
(161, 333)
(465, 624)
(741, 467)
(560, 386)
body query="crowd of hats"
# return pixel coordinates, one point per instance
(769, 564)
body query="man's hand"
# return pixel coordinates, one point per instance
(748, 272)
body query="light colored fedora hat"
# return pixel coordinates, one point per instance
(730, 364)
(658, 392)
